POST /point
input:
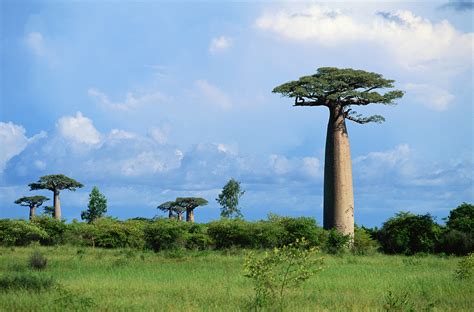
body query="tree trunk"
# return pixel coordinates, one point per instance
(338, 193)
(189, 215)
(180, 216)
(57, 206)
(32, 212)
(170, 214)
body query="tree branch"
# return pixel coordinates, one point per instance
(300, 101)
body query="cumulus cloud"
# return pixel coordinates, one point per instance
(220, 44)
(132, 101)
(209, 93)
(431, 96)
(78, 129)
(13, 140)
(415, 42)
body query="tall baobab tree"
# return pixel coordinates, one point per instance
(340, 90)
(33, 202)
(55, 183)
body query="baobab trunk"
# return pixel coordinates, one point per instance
(32, 212)
(189, 215)
(338, 192)
(57, 206)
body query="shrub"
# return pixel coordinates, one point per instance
(456, 242)
(54, 228)
(298, 228)
(335, 242)
(165, 234)
(230, 232)
(110, 233)
(465, 268)
(363, 244)
(20, 233)
(38, 261)
(409, 234)
(461, 218)
(279, 270)
(25, 281)
(197, 237)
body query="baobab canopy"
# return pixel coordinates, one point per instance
(345, 87)
(339, 90)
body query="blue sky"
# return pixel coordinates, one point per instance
(152, 100)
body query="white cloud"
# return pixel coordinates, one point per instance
(35, 42)
(311, 166)
(209, 93)
(415, 42)
(160, 134)
(13, 141)
(132, 101)
(78, 129)
(220, 44)
(431, 96)
(121, 134)
(280, 164)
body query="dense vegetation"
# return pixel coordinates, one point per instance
(405, 233)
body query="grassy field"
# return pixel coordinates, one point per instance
(125, 280)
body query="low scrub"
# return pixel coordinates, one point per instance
(37, 261)
(26, 281)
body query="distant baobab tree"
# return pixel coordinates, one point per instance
(33, 202)
(340, 90)
(55, 183)
(181, 205)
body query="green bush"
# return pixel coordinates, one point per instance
(164, 234)
(54, 228)
(37, 261)
(363, 244)
(409, 234)
(227, 233)
(335, 242)
(461, 218)
(20, 233)
(196, 236)
(25, 281)
(465, 268)
(80, 234)
(110, 233)
(298, 228)
(456, 242)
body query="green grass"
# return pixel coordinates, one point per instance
(123, 280)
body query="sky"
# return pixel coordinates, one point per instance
(151, 100)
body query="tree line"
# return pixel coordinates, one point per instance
(97, 207)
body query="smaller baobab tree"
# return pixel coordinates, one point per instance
(55, 183)
(170, 207)
(189, 204)
(33, 202)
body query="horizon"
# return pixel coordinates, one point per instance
(150, 101)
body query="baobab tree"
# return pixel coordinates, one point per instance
(189, 204)
(33, 202)
(181, 205)
(340, 90)
(55, 183)
(171, 208)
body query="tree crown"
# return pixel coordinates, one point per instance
(31, 201)
(229, 199)
(342, 87)
(55, 182)
(190, 202)
(97, 206)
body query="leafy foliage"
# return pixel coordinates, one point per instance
(363, 243)
(229, 199)
(336, 242)
(20, 233)
(343, 87)
(456, 242)
(55, 182)
(31, 201)
(465, 269)
(55, 230)
(462, 218)
(281, 269)
(409, 234)
(97, 206)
